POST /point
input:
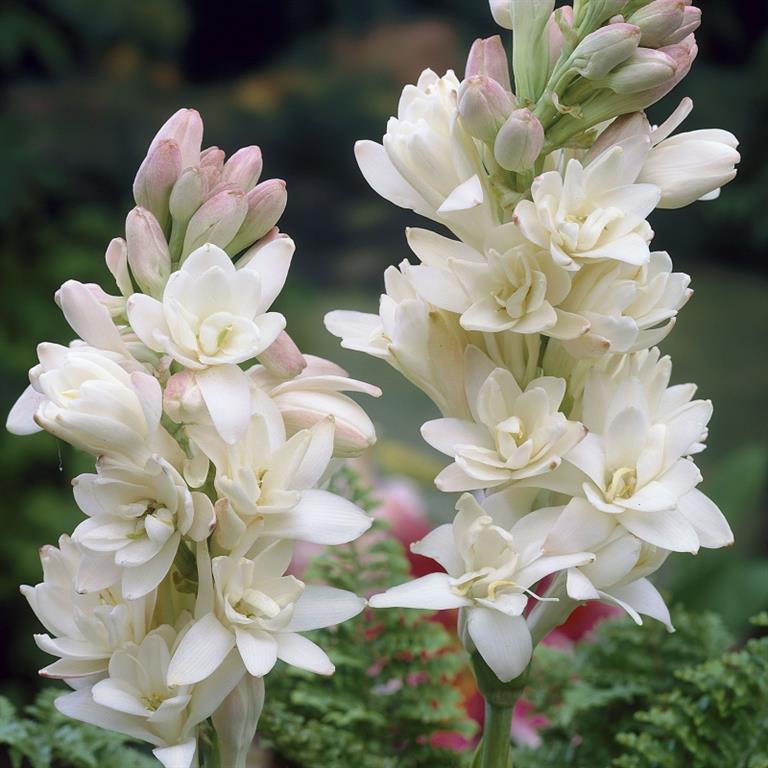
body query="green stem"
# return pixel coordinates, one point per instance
(495, 748)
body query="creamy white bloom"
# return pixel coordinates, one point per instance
(136, 699)
(316, 394)
(260, 611)
(420, 341)
(88, 398)
(514, 434)
(428, 162)
(626, 307)
(511, 285)
(490, 572)
(137, 516)
(266, 483)
(593, 212)
(214, 316)
(634, 464)
(85, 627)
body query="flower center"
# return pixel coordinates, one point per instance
(153, 701)
(623, 484)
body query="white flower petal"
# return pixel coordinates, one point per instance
(201, 651)
(258, 651)
(299, 652)
(432, 592)
(227, 394)
(503, 641)
(320, 606)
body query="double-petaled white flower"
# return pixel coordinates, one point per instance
(88, 398)
(490, 573)
(86, 627)
(634, 464)
(626, 307)
(428, 162)
(512, 285)
(212, 317)
(137, 517)
(317, 393)
(267, 484)
(137, 700)
(260, 611)
(514, 433)
(591, 212)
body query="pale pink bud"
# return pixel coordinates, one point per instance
(266, 203)
(519, 141)
(148, 255)
(156, 177)
(690, 23)
(243, 168)
(645, 68)
(185, 127)
(211, 167)
(488, 57)
(182, 400)
(484, 105)
(658, 21)
(560, 23)
(599, 52)
(187, 195)
(283, 357)
(216, 221)
(117, 263)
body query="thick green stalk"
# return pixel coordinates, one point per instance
(495, 749)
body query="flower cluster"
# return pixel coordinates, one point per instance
(534, 328)
(213, 437)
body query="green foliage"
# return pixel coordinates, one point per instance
(640, 698)
(44, 738)
(392, 687)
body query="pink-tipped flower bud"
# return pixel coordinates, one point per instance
(266, 203)
(690, 23)
(603, 50)
(519, 141)
(148, 255)
(283, 358)
(186, 196)
(211, 167)
(645, 68)
(156, 177)
(484, 105)
(488, 57)
(182, 400)
(559, 25)
(658, 21)
(185, 127)
(243, 168)
(216, 221)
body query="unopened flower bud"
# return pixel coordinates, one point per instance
(592, 14)
(559, 25)
(116, 257)
(156, 177)
(211, 167)
(182, 400)
(148, 255)
(266, 203)
(243, 168)
(603, 50)
(624, 128)
(658, 21)
(488, 57)
(514, 13)
(484, 105)
(283, 357)
(645, 68)
(185, 127)
(186, 196)
(690, 23)
(236, 719)
(519, 141)
(216, 221)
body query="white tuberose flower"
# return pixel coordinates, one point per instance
(86, 397)
(490, 573)
(85, 628)
(137, 700)
(137, 517)
(515, 434)
(428, 162)
(592, 212)
(214, 316)
(260, 611)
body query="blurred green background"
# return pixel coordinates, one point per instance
(86, 83)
